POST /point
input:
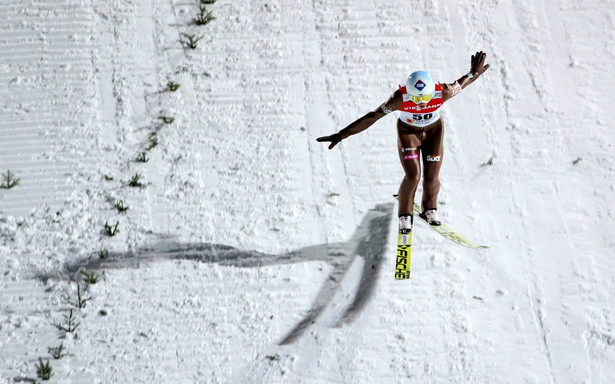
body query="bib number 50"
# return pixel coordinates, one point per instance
(425, 116)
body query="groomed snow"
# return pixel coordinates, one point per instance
(253, 254)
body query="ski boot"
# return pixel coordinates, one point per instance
(405, 224)
(431, 216)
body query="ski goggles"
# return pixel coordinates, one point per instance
(421, 99)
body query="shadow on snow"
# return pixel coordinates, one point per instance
(368, 242)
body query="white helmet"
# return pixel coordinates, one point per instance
(420, 87)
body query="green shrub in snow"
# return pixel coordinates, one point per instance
(204, 17)
(9, 180)
(172, 86)
(121, 207)
(142, 158)
(190, 41)
(58, 352)
(135, 182)
(43, 370)
(90, 278)
(103, 254)
(70, 325)
(489, 162)
(153, 141)
(81, 300)
(166, 119)
(112, 230)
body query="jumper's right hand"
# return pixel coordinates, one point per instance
(334, 139)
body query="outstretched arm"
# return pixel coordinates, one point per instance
(477, 68)
(362, 123)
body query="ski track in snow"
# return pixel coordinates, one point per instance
(254, 254)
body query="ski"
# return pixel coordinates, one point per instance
(449, 233)
(404, 248)
(444, 231)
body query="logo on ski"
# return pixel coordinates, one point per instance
(402, 262)
(456, 238)
(450, 234)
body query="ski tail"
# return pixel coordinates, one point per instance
(402, 263)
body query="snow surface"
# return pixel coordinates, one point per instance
(256, 255)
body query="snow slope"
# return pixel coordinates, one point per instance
(255, 255)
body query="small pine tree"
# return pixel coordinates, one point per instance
(9, 180)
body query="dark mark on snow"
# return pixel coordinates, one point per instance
(368, 242)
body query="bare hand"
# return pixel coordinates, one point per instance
(477, 64)
(334, 139)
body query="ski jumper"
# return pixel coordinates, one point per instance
(417, 116)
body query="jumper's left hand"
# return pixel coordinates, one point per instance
(477, 64)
